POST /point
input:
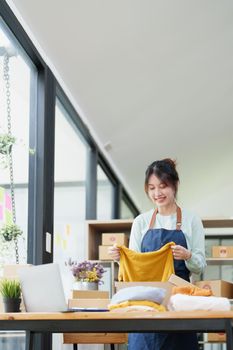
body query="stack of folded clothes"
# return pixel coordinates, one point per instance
(192, 290)
(139, 298)
(191, 298)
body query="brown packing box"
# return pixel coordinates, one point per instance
(1, 305)
(216, 337)
(93, 338)
(101, 303)
(165, 285)
(219, 288)
(115, 238)
(1, 301)
(103, 252)
(90, 294)
(222, 251)
(11, 272)
(178, 281)
(173, 281)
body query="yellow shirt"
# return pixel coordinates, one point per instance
(148, 267)
(155, 306)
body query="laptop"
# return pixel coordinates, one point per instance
(43, 291)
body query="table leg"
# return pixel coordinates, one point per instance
(29, 340)
(229, 335)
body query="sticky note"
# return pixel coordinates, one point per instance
(57, 239)
(2, 192)
(1, 212)
(64, 244)
(67, 229)
(8, 201)
(9, 218)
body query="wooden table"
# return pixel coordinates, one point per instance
(94, 322)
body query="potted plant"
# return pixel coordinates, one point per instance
(10, 290)
(6, 143)
(87, 274)
(10, 232)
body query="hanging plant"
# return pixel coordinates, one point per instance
(10, 232)
(6, 143)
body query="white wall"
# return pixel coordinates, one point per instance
(208, 188)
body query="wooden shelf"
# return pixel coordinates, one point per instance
(219, 261)
(95, 228)
(217, 222)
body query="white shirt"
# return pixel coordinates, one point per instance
(191, 227)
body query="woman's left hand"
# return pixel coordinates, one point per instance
(180, 253)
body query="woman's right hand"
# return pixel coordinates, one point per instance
(114, 252)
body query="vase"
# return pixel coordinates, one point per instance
(11, 304)
(82, 285)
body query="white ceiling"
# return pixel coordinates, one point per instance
(152, 78)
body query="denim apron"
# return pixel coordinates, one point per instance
(153, 240)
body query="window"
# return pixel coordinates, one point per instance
(104, 195)
(126, 212)
(16, 107)
(128, 209)
(69, 193)
(70, 176)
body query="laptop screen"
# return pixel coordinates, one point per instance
(42, 288)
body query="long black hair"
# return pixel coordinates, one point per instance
(165, 171)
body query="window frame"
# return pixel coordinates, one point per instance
(42, 138)
(41, 164)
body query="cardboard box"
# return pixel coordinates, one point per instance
(90, 294)
(115, 238)
(103, 252)
(1, 301)
(219, 288)
(95, 338)
(101, 303)
(166, 285)
(178, 281)
(222, 251)
(216, 337)
(173, 281)
(11, 271)
(1, 305)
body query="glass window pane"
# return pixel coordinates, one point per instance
(19, 85)
(69, 196)
(126, 213)
(104, 195)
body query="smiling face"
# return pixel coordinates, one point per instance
(160, 193)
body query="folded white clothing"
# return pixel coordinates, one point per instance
(139, 293)
(182, 302)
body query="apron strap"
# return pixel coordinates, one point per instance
(152, 221)
(178, 218)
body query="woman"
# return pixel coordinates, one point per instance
(152, 230)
